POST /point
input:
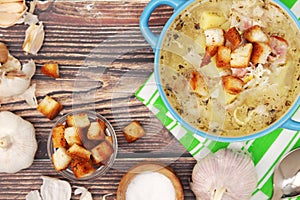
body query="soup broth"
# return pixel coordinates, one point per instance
(231, 100)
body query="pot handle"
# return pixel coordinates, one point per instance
(151, 38)
(291, 125)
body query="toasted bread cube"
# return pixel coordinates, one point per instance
(79, 120)
(214, 37)
(61, 159)
(82, 168)
(96, 131)
(256, 34)
(133, 131)
(109, 139)
(232, 85)
(51, 70)
(223, 57)
(234, 37)
(58, 136)
(79, 152)
(49, 107)
(197, 84)
(211, 50)
(240, 57)
(72, 135)
(3, 53)
(260, 53)
(102, 152)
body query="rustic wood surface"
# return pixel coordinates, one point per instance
(103, 60)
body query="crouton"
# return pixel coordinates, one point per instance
(234, 37)
(61, 159)
(49, 107)
(198, 83)
(82, 168)
(51, 70)
(79, 120)
(79, 152)
(102, 152)
(3, 53)
(223, 57)
(256, 34)
(260, 53)
(133, 131)
(58, 136)
(211, 50)
(96, 131)
(72, 135)
(232, 85)
(214, 37)
(240, 57)
(109, 139)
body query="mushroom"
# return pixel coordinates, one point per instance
(17, 143)
(225, 175)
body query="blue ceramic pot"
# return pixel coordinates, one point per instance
(155, 42)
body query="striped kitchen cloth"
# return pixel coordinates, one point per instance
(266, 151)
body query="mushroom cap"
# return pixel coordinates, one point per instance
(20, 153)
(227, 169)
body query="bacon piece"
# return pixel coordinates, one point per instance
(279, 48)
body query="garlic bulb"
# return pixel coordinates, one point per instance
(34, 38)
(53, 188)
(17, 143)
(11, 12)
(15, 83)
(225, 175)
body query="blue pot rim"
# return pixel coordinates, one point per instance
(278, 124)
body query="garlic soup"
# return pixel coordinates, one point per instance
(231, 67)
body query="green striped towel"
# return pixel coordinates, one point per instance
(266, 151)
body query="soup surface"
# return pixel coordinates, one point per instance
(231, 67)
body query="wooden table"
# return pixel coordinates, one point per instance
(103, 60)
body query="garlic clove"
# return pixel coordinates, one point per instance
(29, 96)
(13, 86)
(224, 175)
(53, 188)
(14, 7)
(33, 195)
(29, 69)
(34, 38)
(9, 19)
(3, 53)
(12, 64)
(85, 194)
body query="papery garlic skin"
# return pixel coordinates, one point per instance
(55, 189)
(34, 38)
(225, 175)
(17, 85)
(17, 143)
